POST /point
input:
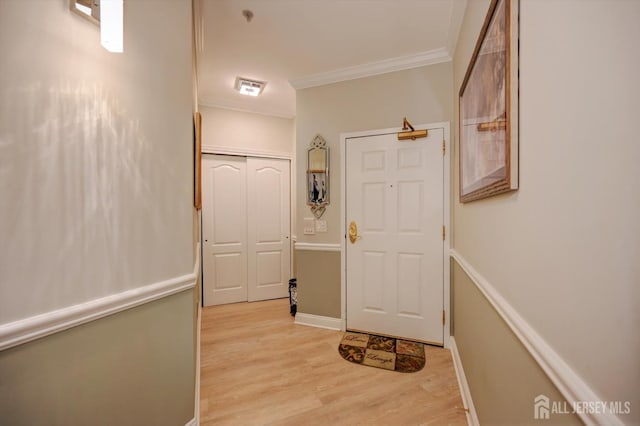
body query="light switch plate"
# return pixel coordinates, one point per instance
(321, 226)
(309, 226)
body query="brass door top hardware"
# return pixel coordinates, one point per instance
(408, 132)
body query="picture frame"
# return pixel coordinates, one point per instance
(197, 160)
(488, 108)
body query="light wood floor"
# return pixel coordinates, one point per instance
(259, 368)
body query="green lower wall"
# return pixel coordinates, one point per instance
(131, 368)
(318, 274)
(503, 377)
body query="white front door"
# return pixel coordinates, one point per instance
(224, 228)
(395, 268)
(269, 212)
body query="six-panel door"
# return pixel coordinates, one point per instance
(395, 268)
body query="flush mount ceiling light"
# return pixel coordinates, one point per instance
(249, 87)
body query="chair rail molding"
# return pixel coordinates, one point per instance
(38, 326)
(569, 383)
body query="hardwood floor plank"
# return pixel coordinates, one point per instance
(259, 368)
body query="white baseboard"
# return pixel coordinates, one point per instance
(38, 326)
(465, 392)
(196, 419)
(572, 387)
(319, 321)
(317, 247)
(192, 422)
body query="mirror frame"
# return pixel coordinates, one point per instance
(318, 176)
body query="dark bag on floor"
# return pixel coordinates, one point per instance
(293, 296)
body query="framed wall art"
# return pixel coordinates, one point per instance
(197, 161)
(488, 105)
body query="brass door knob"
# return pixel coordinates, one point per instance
(353, 233)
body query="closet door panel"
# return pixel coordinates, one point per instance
(224, 228)
(269, 243)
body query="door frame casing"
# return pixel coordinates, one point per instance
(445, 126)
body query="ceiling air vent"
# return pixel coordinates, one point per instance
(249, 87)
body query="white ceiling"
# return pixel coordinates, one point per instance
(305, 43)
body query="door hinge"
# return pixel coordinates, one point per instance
(444, 147)
(443, 317)
(444, 232)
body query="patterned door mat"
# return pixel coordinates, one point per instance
(382, 352)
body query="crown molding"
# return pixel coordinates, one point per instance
(401, 63)
(202, 101)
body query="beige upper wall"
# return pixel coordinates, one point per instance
(563, 250)
(423, 95)
(95, 154)
(255, 134)
(247, 131)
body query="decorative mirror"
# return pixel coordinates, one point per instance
(318, 176)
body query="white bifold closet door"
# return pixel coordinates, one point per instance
(246, 227)
(224, 229)
(269, 224)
